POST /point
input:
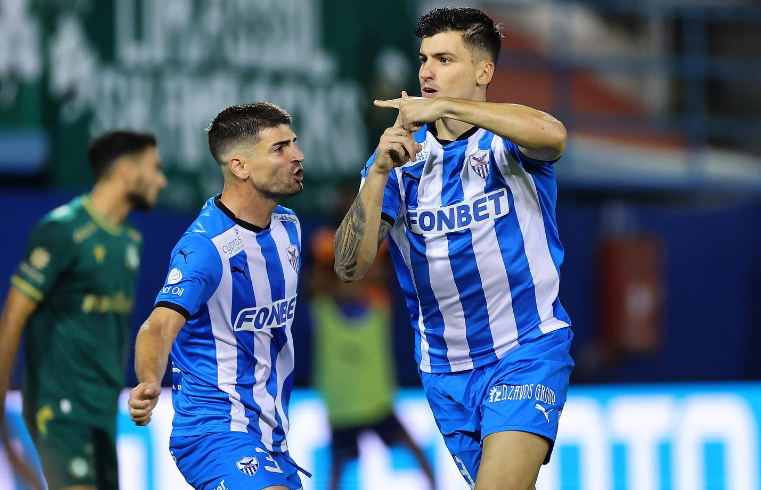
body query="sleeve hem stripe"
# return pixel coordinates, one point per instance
(26, 288)
(174, 307)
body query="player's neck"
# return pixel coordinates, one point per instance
(248, 206)
(110, 202)
(451, 129)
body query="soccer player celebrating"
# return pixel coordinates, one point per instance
(465, 190)
(226, 310)
(73, 292)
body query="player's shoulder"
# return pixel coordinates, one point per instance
(63, 220)
(211, 221)
(281, 213)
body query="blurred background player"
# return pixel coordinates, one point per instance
(354, 362)
(73, 293)
(466, 191)
(232, 285)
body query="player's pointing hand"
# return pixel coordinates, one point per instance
(142, 401)
(397, 146)
(414, 112)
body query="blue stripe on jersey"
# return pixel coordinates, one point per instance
(463, 262)
(196, 394)
(432, 318)
(279, 338)
(512, 248)
(454, 161)
(243, 297)
(410, 297)
(410, 179)
(543, 175)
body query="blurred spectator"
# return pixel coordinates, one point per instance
(354, 364)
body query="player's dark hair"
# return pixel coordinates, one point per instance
(479, 32)
(242, 122)
(110, 146)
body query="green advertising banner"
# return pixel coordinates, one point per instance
(71, 69)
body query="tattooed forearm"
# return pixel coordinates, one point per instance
(383, 230)
(348, 240)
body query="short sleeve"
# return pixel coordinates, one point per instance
(391, 194)
(531, 165)
(50, 252)
(195, 270)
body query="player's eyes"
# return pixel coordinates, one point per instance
(445, 60)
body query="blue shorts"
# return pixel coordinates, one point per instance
(232, 461)
(524, 391)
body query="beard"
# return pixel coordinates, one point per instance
(140, 201)
(280, 190)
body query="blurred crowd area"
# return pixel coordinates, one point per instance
(659, 189)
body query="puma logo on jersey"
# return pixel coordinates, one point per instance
(237, 269)
(185, 255)
(546, 413)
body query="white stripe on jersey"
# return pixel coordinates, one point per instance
(285, 358)
(531, 223)
(439, 267)
(491, 266)
(225, 342)
(262, 341)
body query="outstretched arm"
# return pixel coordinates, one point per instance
(537, 134)
(154, 342)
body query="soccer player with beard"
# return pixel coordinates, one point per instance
(225, 313)
(465, 191)
(73, 293)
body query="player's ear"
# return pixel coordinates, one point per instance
(484, 72)
(237, 166)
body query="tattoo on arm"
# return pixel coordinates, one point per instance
(348, 241)
(383, 230)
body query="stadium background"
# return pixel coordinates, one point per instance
(658, 207)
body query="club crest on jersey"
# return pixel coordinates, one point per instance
(424, 152)
(248, 465)
(293, 256)
(479, 162)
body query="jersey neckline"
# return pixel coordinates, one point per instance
(243, 224)
(100, 220)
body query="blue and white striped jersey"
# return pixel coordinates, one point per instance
(476, 248)
(232, 362)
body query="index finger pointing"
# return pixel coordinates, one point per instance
(388, 103)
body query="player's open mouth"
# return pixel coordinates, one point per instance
(299, 174)
(429, 92)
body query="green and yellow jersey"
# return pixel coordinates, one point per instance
(81, 270)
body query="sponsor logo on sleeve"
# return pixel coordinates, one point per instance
(39, 258)
(175, 276)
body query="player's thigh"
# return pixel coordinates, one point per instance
(454, 404)
(511, 461)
